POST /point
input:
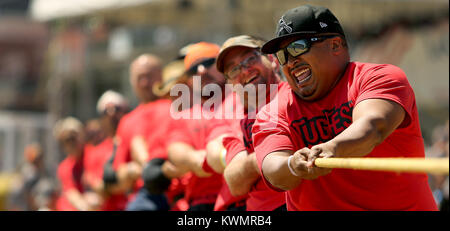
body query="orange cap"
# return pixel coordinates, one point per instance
(198, 51)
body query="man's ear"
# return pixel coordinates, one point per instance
(337, 45)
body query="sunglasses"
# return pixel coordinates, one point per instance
(236, 70)
(298, 47)
(206, 63)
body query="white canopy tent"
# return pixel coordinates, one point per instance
(45, 10)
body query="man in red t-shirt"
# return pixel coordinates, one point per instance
(225, 124)
(244, 66)
(189, 133)
(336, 108)
(142, 136)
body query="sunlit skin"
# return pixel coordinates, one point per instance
(144, 72)
(259, 73)
(317, 70)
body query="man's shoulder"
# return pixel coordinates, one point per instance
(130, 115)
(66, 164)
(361, 69)
(284, 86)
(284, 94)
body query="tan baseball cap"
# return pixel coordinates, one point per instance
(237, 41)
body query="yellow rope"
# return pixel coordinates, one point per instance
(413, 165)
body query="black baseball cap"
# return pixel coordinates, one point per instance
(303, 21)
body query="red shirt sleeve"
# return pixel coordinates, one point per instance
(216, 128)
(65, 175)
(233, 145)
(206, 166)
(271, 130)
(129, 126)
(386, 82)
(123, 148)
(179, 132)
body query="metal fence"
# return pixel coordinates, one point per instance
(19, 129)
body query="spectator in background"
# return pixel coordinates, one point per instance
(45, 195)
(439, 149)
(31, 172)
(70, 134)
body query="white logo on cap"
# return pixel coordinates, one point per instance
(322, 24)
(284, 25)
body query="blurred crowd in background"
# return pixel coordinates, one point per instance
(59, 58)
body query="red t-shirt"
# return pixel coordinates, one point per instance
(128, 128)
(176, 189)
(152, 121)
(226, 121)
(94, 161)
(95, 158)
(69, 173)
(260, 197)
(194, 132)
(225, 199)
(233, 145)
(295, 124)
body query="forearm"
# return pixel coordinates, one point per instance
(126, 175)
(275, 170)
(214, 155)
(94, 183)
(139, 150)
(171, 171)
(240, 174)
(98, 187)
(76, 199)
(184, 157)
